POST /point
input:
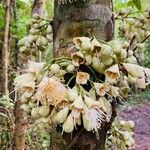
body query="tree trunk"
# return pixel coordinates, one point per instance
(20, 128)
(5, 51)
(90, 18)
(37, 7)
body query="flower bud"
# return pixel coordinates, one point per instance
(44, 111)
(72, 94)
(68, 125)
(35, 112)
(55, 68)
(70, 68)
(82, 77)
(61, 116)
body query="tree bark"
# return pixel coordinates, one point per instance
(5, 51)
(20, 128)
(90, 18)
(37, 7)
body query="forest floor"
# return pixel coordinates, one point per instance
(139, 112)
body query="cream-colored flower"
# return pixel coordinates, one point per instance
(106, 50)
(90, 102)
(93, 119)
(88, 59)
(72, 94)
(76, 114)
(35, 112)
(112, 73)
(98, 65)
(92, 115)
(92, 93)
(132, 79)
(78, 103)
(83, 43)
(134, 70)
(104, 104)
(52, 90)
(77, 58)
(61, 116)
(82, 77)
(44, 111)
(96, 46)
(21, 79)
(55, 68)
(114, 91)
(101, 88)
(25, 84)
(35, 67)
(68, 125)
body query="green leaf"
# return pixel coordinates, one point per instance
(137, 4)
(130, 3)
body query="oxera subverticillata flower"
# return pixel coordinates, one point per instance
(83, 93)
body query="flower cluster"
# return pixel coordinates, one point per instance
(79, 91)
(39, 38)
(121, 135)
(133, 25)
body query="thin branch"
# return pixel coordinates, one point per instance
(137, 59)
(113, 115)
(75, 139)
(132, 40)
(141, 42)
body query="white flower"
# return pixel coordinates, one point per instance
(55, 68)
(112, 73)
(61, 116)
(134, 70)
(101, 88)
(72, 94)
(35, 67)
(52, 90)
(82, 77)
(83, 43)
(90, 102)
(78, 103)
(77, 58)
(76, 114)
(68, 125)
(93, 119)
(25, 84)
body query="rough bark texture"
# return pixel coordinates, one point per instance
(20, 128)
(90, 18)
(5, 52)
(37, 7)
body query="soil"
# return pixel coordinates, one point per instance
(140, 114)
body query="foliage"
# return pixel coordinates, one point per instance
(6, 122)
(2, 15)
(38, 137)
(18, 28)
